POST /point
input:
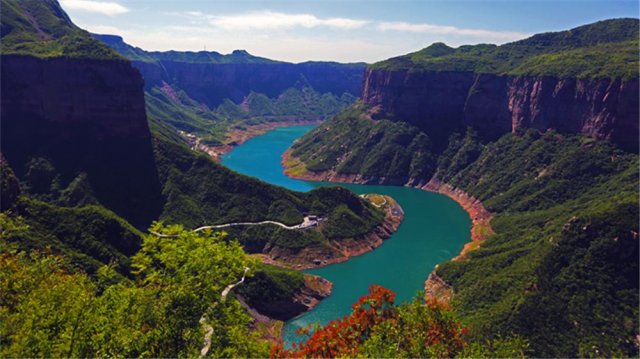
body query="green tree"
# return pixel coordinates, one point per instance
(48, 311)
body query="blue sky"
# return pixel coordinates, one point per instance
(336, 30)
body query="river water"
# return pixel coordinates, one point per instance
(434, 230)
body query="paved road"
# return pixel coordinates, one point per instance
(308, 222)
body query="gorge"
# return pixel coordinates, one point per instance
(111, 215)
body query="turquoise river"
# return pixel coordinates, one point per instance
(434, 230)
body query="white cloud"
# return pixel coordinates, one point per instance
(106, 8)
(277, 20)
(450, 30)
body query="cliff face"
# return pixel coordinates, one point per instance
(441, 102)
(212, 83)
(82, 116)
(433, 101)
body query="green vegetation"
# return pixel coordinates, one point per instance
(605, 49)
(89, 237)
(185, 114)
(562, 268)
(271, 291)
(300, 103)
(199, 192)
(41, 28)
(48, 311)
(182, 113)
(352, 144)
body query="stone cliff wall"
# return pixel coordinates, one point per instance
(441, 102)
(212, 83)
(82, 116)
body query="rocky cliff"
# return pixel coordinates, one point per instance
(82, 116)
(211, 84)
(210, 78)
(440, 103)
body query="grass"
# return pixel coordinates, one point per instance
(482, 230)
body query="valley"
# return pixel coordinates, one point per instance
(220, 100)
(455, 201)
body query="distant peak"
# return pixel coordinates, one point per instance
(437, 49)
(108, 38)
(438, 45)
(240, 53)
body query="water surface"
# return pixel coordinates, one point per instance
(434, 230)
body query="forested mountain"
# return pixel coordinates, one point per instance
(544, 133)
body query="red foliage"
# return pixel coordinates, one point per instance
(344, 337)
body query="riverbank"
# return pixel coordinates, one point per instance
(480, 216)
(337, 251)
(238, 136)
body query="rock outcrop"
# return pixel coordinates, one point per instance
(440, 103)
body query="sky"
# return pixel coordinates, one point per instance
(332, 30)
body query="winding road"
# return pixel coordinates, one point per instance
(308, 222)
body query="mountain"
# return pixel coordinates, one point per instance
(206, 93)
(494, 90)
(43, 29)
(542, 134)
(584, 80)
(77, 105)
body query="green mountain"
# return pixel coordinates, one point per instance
(41, 28)
(549, 147)
(604, 49)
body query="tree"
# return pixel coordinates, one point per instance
(48, 311)
(377, 328)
